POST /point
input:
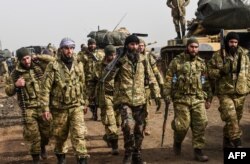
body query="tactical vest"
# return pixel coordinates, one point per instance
(31, 90)
(67, 88)
(187, 80)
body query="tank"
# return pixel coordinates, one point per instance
(208, 28)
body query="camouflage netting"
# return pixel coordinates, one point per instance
(105, 37)
(213, 15)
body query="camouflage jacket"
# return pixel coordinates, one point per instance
(178, 7)
(89, 61)
(130, 82)
(230, 75)
(187, 77)
(3, 68)
(29, 95)
(101, 89)
(63, 88)
(154, 67)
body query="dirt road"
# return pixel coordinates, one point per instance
(13, 149)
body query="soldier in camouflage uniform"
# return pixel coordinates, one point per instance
(89, 57)
(153, 66)
(178, 14)
(63, 96)
(230, 71)
(188, 88)
(104, 94)
(25, 80)
(132, 70)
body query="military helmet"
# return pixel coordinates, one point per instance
(109, 50)
(67, 42)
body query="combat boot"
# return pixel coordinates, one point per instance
(44, 154)
(177, 148)
(199, 156)
(127, 158)
(136, 158)
(183, 33)
(237, 143)
(105, 138)
(114, 146)
(178, 35)
(61, 159)
(227, 143)
(82, 161)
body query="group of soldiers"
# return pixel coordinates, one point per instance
(55, 98)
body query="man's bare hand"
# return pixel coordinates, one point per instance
(20, 82)
(47, 116)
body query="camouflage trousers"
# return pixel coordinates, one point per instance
(193, 116)
(35, 130)
(110, 119)
(71, 121)
(133, 119)
(231, 110)
(179, 19)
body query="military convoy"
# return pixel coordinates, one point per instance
(214, 19)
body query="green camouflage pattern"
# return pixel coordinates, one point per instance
(188, 73)
(104, 94)
(130, 82)
(186, 83)
(193, 116)
(231, 111)
(235, 81)
(35, 130)
(3, 71)
(71, 121)
(64, 95)
(232, 81)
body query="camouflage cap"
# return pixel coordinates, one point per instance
(21, 52)
(109, 49)
(192, 40)
(91, 41)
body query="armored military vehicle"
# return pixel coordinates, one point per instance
(214, 19)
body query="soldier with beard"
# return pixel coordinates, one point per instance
(89, 57)
(132, 70)
(189, 90)
(25, 80)
(64, 96)
(231, 72)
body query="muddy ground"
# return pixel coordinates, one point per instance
(14, 150)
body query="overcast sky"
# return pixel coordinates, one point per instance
(39, 22)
